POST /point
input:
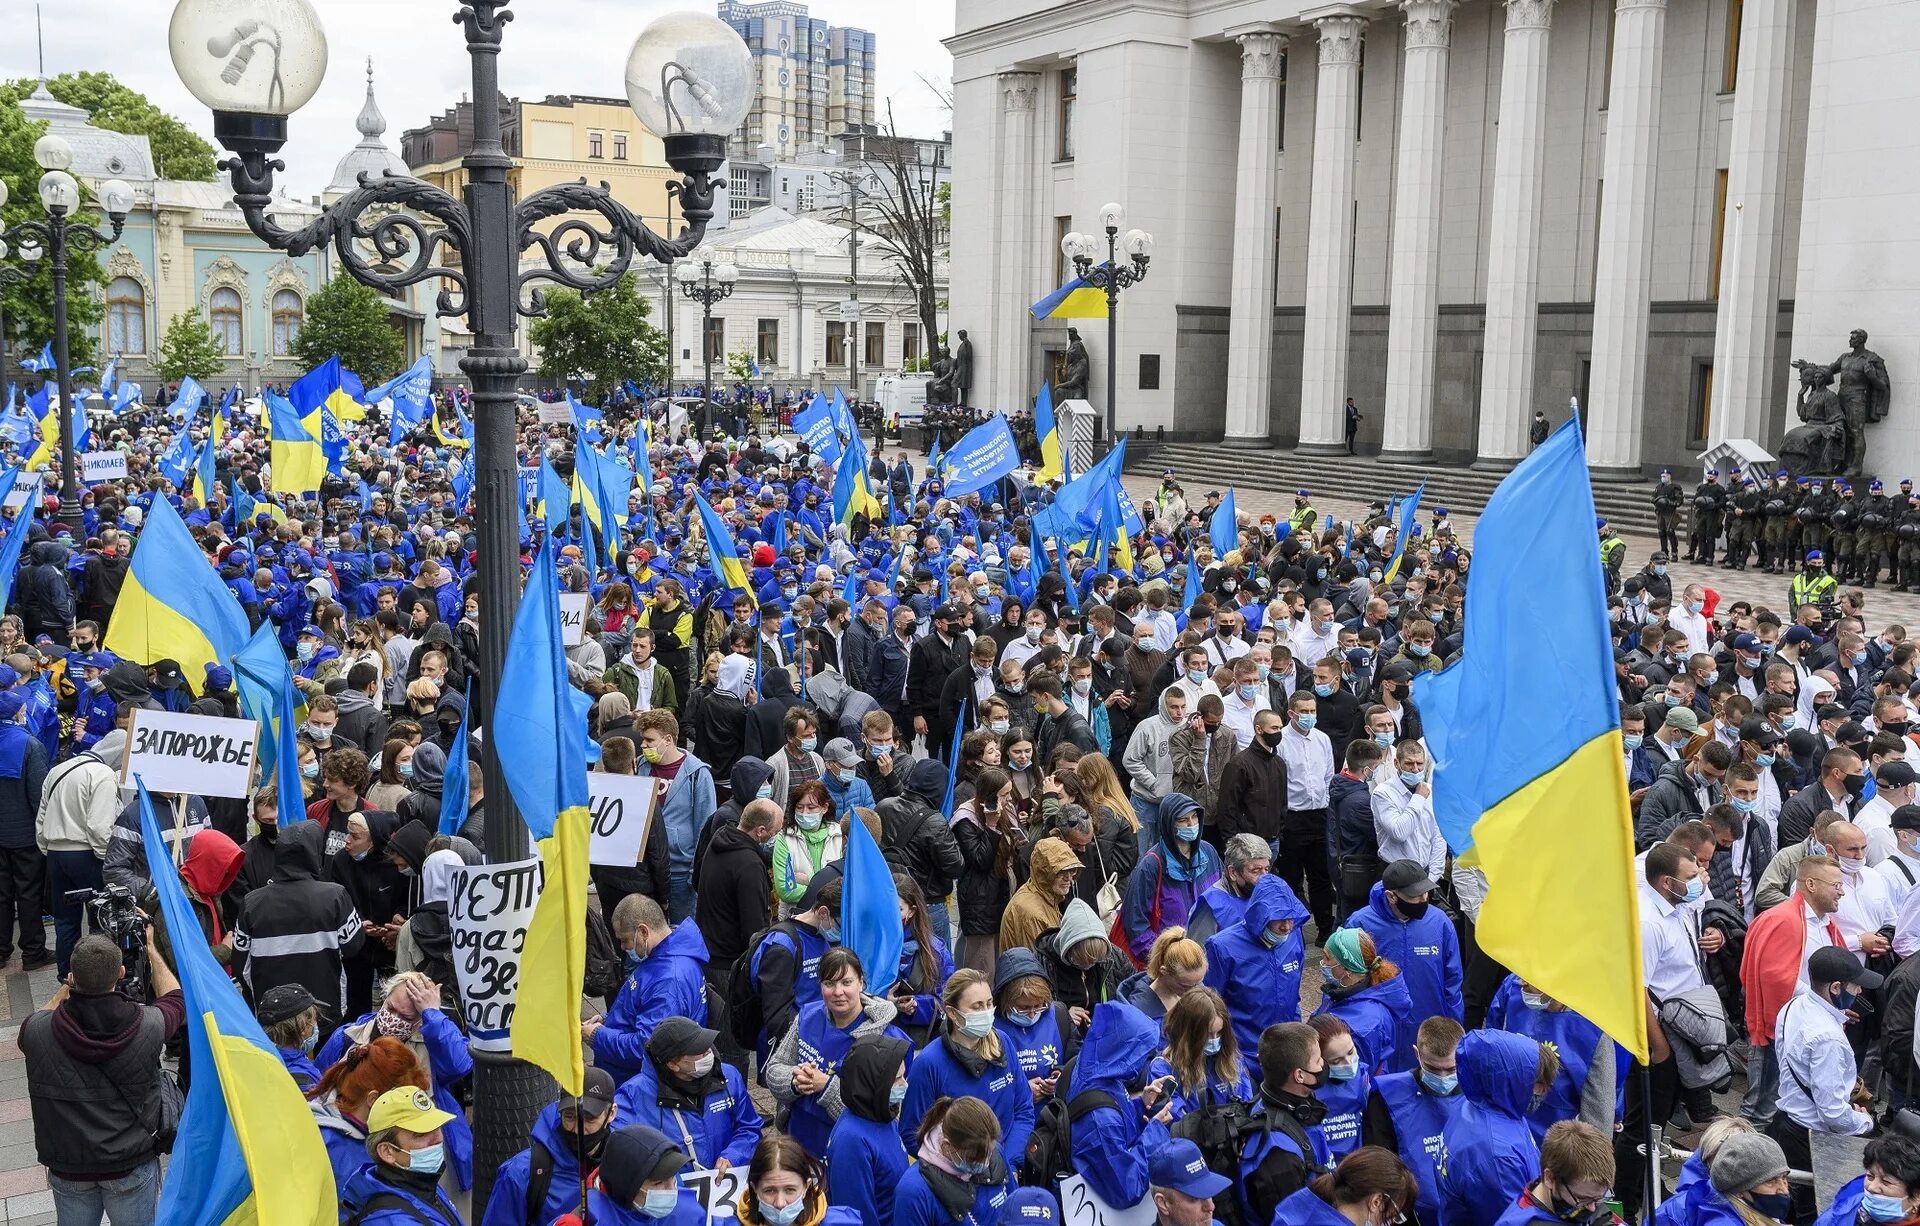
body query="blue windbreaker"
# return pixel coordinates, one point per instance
(914, 1202)
(1111, 1144)
(671, 982)
(1346, 1103)
(1304, 1208)
(865, 1164)
(1845, 1210)
(364, 1186)
(1261, 984)
(1419, 1118)
(508, 1204)
(1427, 951)
(1573, 1037)
(726, 1126)
(944, 1071)
(1373, 1014)
(1487, 1152)
(1215, 1093)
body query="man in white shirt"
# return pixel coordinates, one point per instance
(1670, 962)
(1689, 618)
(1402, 802)
(1901, 870)
(1818, 1077)
(1893, 786)
(1303, 843)
(1226, 645)
(1866, 906)
(1248, 699)
(1321, 634)
(1031, 643)
(1195, 677)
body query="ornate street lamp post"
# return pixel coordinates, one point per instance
(1112, 277)
(706, 283)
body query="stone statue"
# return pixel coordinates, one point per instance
(963, 369)
(1820, 446)
(940, 389)
(1857, 385)
(1073, 384)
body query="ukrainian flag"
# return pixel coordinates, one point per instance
(248, 1149)
(1075, 300)
(299, 463)
(265, 684)
(616, 486)
(203, 471)
(853, 486)
(1053, 453)
(539, 739)
(1535, 792)
(326, 386)
(172, 605)
(725, 557)
(1407, 508)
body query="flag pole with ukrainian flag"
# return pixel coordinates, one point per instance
(1529, 781)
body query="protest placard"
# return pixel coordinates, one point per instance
(719, 1191)
(621, 807)
(97, 466)
(488, 912)
(573, 617)
(25, 485)
(1082, 1206)
(201, 754)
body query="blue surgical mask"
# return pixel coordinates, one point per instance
(1344, 1070)
(1213, 1047)
(1696, 888)
(1713, 675)
(660, 1202)
(1186, 834)
(310, 771)
(1672, 700)
(1859, 658)
(1787, 721)
(1695, 606)
(1879, 1208)
(1442, 1085)
(1412, 779)
(808, 742)
(897, 1093)
(809, 820)
(781, 1217)
(1270, 938)
(977, 1024)
(1323, 691)
(1383, 739)
(1196, 675)
(1420, 650)
(1266, 670)
(831, 934)
(1764, 759)
(1249, 692)
(404, 769)
(1660, 569)
(304, 649)
(428, 1159)
(1633, 740)
(311, 1041)
(1025, 1019)
(1307, 722)
(1742, 806)
(765, 792)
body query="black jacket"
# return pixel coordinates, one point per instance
(1896, 1035)
(1671, 800)
(912, 828)
(929, 665)
(374, 885)
(720, 731)
(735, 898)
(1069, 728)
(91, 1065)
(1253, 795)
(43, 595)
(983, 892)
(1800, 810)
(956, 701)
(857, 650)
(300, 928)
(20, 797)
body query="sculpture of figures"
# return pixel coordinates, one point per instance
(1073, 384)
(1820, 447)
(963, 369)
(1860, 380)
(940, 389)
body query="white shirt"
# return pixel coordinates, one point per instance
(1817, 936)
(1020, 650)
(1876, 818)
(1239, 714)
(1309, 760)
(1165, 629)
(1195, 691)
(1404, 824)
(1310, 648)
(1669, 955)
(1225, 650)
(643, 686)
(1899, 884)
(1693, 625)
(1817, 1071)
(1867, 905)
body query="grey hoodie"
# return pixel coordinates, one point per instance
(786, 1057)
(1149, 754)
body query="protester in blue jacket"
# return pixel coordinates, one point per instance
(1372, 1185)
(666, 977)
(1035, 1027)
(685, 1092)
(1345, 1093)
(865, 1155)
(1488, 1156)
(566, 1133)
(1366, 992)
(1888, 1192)
(400, 1186)
(1408, 1112)
(786, 1186)
(1590, 1076)
(970, 1059)
(1576, 1179)
(291, 1021)
(1255, 964)
(1420, 940)
(637, 1183)
(804, 1070)
(1201, 1055)
(1111, 1143)
(958, 1177)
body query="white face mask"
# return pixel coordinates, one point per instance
(703, 1065)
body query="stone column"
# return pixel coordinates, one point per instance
(1336, 124)
(1745, 348)
(1413, 326)
(1623, 281)
(1513, 260)
(1256, 199)
(1017, 173)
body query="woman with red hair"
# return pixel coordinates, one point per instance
(346, 1093)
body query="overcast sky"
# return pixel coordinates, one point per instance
(421, 67)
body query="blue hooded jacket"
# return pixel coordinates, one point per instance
(1697, 1204)
(916, 1204)
(671, 982)
(1427, 951)
(1373, 1014)
(1575, 1039)
(1845, 1210)
(1487, 1153)
(1111, 1144)
(1419, 1118)
(944, 1071)
(603, 1210)
(508, 1204)
(1304, 1208)
(726, 1126)
(365, 1185)
(1260, 983)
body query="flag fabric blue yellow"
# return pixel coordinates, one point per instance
(411, 392)
(555, 498)
(853, 485)
(126, 394)
(1113, 533)
(172, 604)
(1224, 528)
(1535, 793)
(1077, 299)
(454, 791)
(1036, 566)
(16, 539)
(935, 469)
(870, 909)
(247, 1149)
(263, 681)
(643, 454)
(1190, 591)
(981, 456)
(538, 737)
(615, 486)
(724, 555)
(1075, 512)
(203, 471)
(1066, 577)
(1053, 454)
(113, 367)
(325, 386)
(299, 464)
(1408, 508)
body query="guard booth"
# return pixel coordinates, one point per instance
(1741, 453)
(1079, 424)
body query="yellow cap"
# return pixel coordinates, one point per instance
(407, 1107)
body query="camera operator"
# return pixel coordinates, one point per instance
(93, 1070)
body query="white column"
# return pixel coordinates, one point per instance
(1336, 123)
(1255, 204)
(1413, 325)
(1745, 334)
(1623, 281)
(1017, 173)
(1513, 259)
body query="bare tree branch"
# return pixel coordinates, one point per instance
(903, 215)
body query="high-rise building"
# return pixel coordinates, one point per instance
(815, 80)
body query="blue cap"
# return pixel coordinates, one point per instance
(310, 631)
(1713, 472)
(218, 678)
(1301, 493)
(1746, 642)
(1906, 480)
(1782, 473)
(1802, 481)
(1875, 485)
(1814, 555)
(1599, 522)
(1666, 472)
(1030, 1207)
(1179, 1166)
(382, 561)
(267, 553)
(102, 660)
(1439, 512)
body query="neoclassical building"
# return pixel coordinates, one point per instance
(1455, 213)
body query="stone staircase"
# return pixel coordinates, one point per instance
(1200, 466)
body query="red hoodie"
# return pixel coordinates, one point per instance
(212, 865)
(1770, 966)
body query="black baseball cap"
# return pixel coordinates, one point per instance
(1836, 964)
(1407, 878)
(1760, 732)
(1896, 775)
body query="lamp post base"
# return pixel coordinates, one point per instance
(508, 1095)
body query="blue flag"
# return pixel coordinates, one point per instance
(42, 364)
(870, 910)
(1192, 588)
(953, 761)
(983, 456)
(815, 423)
(453, 786)
(1225, 527)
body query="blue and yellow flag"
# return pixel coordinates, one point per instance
(203, 471)
(16, 538)
(538, 736)
(172, 605)
(1535, 793)
(248, 1149)
(264, 682)
(1053, 453)
(326, 386)
(725, 559)
(299, 463)
(1077, 299)
(555, 499)
(853, 486)
(1408, 508)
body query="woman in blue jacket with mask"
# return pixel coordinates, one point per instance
(1202, 1055)
(1372, 1185)
(1366, 992)
(958, 1177)
(970, 1060)
(1346, 1089)
(803, 1071)
(786, 1187)
(1035, 1027)
(865, 1157)
(1111, 1144)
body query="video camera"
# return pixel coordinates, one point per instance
(112, 911)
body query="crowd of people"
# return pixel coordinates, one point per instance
(1179, 927)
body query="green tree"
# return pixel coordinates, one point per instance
(189, 349)
(603, 338)
(178, 151)
(739, 366)
(347, 318)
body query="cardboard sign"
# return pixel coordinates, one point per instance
(196, 754)
(719, 1193)
(488, 911)
(559, 414)
(25, 486)
(98, 466)
(1081, 1206)
(573, 617)
(621, 809)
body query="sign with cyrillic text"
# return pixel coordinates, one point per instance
(193, 754)
(573, 617)
(25, 486)
(488, 912)
(719, 1192)
(1082, 1206)
(621, 809)
(559, 414)
(97, 466)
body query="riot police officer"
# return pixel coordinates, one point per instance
(1743, 529)
(1907, 537)
(1709, 501)
(1876, 534)
(1666, 509)
(1812, 517)
(1776, 515)
(1844, 520)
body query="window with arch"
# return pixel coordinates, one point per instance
(288, 311)
(223, 310)
(126, 316)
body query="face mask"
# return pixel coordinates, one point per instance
(1323, 691)
(1249, 692)
(896, 1093)
(1764, 760)
(404, 769)
(1660, 570)
(1671, 700)
(311, 1041)
(1880, 1208)
(96, 684)
(781, 1217)
(310, 771)
(981, 593)
(660, 1202)
(1016, 687)
(1742, 806)
(1786, 722)
(1024, 1020)
(1083, 687)
(1633, 740)
(1440, 1084)
(650, 755)
(360, 855)
(1695, 606)
(1197, 675)
(999, 727)
(1034, 632)
(1020, 761)
(304, 650)
(1306, 722)
(1186, 834)
(1270, 938)
(1856, 785)
(765, 792)
(1344, 1070)
(809, 821)
(427, 1160)
(703, 1065)
(977, 1024)
(808, 742)
(1412, 779)
(1777, 1206)
(1695, 889)
(881, 751)
(317, 733)
(1420, 650)
(831, 934)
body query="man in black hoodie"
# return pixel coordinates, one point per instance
(92, 1065)
(914, 833)
(300, 929)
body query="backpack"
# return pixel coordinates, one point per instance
(540, 1179)
(1221, 1131)
(1049, 1157)
(387, 1200)
(604, 973)
(745, 1016)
